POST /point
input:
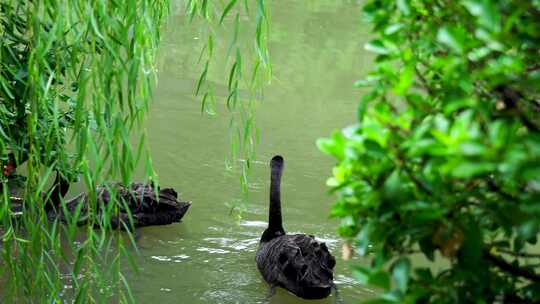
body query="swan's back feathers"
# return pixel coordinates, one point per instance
(298, 263)
(146, 204)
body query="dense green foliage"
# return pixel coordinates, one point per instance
(444, 163)
(75, 79)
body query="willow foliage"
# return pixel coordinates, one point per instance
(249, 68)
(75, 80)
(444, 163)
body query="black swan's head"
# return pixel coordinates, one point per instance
(277, 162)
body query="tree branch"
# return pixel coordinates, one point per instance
(519, 254)
(495, 188)
(511, 99)
(414, 179)
(503, 265)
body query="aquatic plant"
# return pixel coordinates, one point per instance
(443, 165)
(75, 81)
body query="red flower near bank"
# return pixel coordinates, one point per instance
(8, 169)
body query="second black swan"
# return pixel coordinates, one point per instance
(147, 205)
(296, 262)
(140, 204)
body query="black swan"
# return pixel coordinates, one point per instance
(146, 205)
(296, 262)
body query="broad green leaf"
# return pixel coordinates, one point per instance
(377, 46)
(453, 38)
(487, 13)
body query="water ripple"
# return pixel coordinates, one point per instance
(253, 224)
(239, 245)
(174, 258)
(213, 250)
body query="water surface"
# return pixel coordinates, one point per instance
(317, 54)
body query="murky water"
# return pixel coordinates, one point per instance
(317, 54)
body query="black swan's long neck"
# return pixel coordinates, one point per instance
(275, 225)
(59, 190)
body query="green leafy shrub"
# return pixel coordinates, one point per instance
(439, 181)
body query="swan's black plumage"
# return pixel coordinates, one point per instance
(147, 205)
(58, 191)
(296, 262)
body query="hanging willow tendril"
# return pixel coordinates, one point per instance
(248, 70)
(75, 81)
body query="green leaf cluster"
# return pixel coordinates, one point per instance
(443, 167)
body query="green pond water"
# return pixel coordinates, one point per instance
(317, 54)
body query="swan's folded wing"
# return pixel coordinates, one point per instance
(296, 259)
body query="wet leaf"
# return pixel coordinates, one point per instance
(400, 273)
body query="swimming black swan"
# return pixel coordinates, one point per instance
(147, 206)
(296, 262)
